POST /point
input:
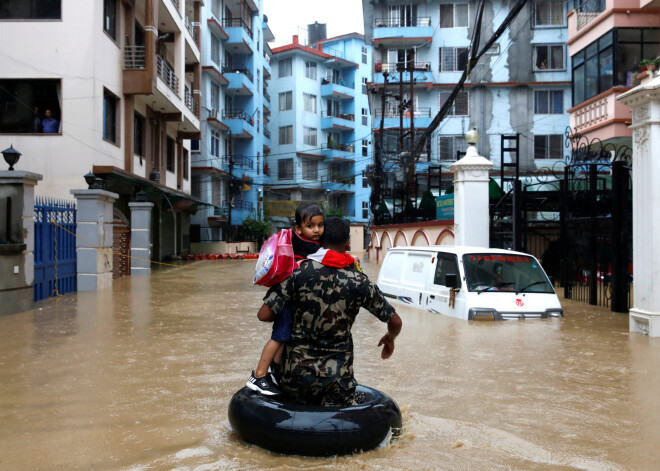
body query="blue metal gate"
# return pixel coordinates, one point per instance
(54, 248)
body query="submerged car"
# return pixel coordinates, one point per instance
(472, 283)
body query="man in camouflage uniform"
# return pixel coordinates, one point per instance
(317, 364)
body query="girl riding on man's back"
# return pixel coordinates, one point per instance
(305, 241)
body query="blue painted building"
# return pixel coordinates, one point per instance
(228, 162)
(321, 128)
(521, 86)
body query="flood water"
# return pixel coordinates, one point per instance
(140, 377)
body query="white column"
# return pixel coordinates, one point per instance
(94, 228)
(471, 215)
(141, 237)
(645, 103)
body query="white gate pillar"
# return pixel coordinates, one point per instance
(645, 103)
(471, 179)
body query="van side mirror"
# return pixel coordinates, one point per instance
(451, 280)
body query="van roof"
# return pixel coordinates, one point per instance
(456, 249)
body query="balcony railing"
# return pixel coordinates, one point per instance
(402, 22)
(394, 113)
(266, 96)
(590, 115)
(339, 177)
(237, 23)
(190, 26)
(237, 114)
(420, 66)
(337, 81)
(267, 133)
(190, 101)
(221, 211)
(166, 73)
(243, 205)
(333, 52)
(332, 114)
(228, 69)
(134, 57)
(588, 10)
(242, 161)
(342, 147)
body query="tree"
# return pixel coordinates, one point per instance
(256, 229)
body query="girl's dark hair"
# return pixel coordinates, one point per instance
(306, 210)
(336, 231)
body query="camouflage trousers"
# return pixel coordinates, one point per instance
(330, 391)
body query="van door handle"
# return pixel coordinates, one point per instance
(420, 298)
(432, 297)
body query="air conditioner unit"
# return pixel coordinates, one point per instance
(214, 113)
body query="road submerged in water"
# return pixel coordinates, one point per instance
(139, 378)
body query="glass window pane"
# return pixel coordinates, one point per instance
(462, 58)
(541, 102)
(591, 78)
(556, 141)
(629, 35)
(628, 57)
(557, 59)
(539, 147)
(447, 16)
(606, 66)
(605, 40)
(578, 58)
(461, 15)
(651, 35)
(557, 102)
(578, 85)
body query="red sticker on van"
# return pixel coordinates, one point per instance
(519, 302)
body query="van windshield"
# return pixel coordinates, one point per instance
(486, 272)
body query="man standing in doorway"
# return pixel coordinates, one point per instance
(50, 124)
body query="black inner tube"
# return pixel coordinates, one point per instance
(290, 428)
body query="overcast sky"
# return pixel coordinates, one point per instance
(289, 17)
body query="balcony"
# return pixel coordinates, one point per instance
(266, 137)
(242, 205)
(332, 87)
(240, 123)
(243, 162)
(602, 117)
(134, 58)
(402, 31)
(266, 95)
(337, 121)
(190, 101)
(397, 71)
(190, 26)
(421, 118)
(240, 35)
(587, 11)
(240, 80)
(334, 151)
(215, 26)
(166, 74)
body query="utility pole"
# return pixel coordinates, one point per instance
(378, 165)
(411, 65)
(230, 190)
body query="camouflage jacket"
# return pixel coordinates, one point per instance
(325, 302)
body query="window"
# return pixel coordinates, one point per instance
(169, 148)
(365, 210)
(548, 102)
(309, 136)
(215, 50)
(258, 163)
(548, 13)
(447, 264)
(110, 117)
(404, 15)
(365, 117)
(31, 10)
(454, 15)
(258, 120)
(139, 124)
(611, 61)
(196, 186)
(364, 85)
(461, 105)
(215, 96)
(286, 135)
(185, 164)
(110, 18)
(365, 180)
(548, 147)
(449, 146)
(286, 101)
(24, 104)
(194, 145)
(493, 50)
(285, 68)
(364, 55)
(310, 70)
(309, 102)
(453, 59)
(310, 170)
(285, 169)
(215, 143)
(365, 148)
(548, 57)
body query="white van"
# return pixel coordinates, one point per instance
(473, 283)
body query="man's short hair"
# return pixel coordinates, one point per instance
(336, 232)
(306, 210)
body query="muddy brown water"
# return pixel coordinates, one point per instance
(139, 378)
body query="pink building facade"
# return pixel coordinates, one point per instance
(607, 41)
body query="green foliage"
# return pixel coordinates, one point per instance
(333, 212)
(256, 229)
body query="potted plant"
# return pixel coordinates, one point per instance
(645, 64)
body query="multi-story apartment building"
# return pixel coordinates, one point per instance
(607, 40)
(107, 86)
(322, 126)
(521, 86)
(228, 162)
